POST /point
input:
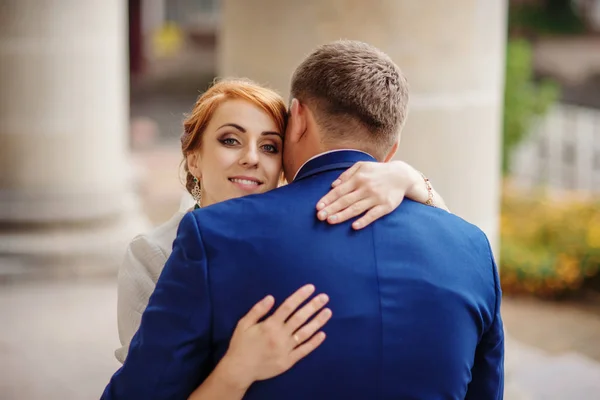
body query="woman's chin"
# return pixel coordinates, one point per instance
(237, 193)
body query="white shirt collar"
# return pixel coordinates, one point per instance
(326, 152)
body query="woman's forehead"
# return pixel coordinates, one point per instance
(245, 114)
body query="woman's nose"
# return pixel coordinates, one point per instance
(250, 157)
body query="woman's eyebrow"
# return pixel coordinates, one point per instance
(236, 126)
(243, 130)
(270, 133)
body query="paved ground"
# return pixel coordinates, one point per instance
(551, 349)
(56, 340)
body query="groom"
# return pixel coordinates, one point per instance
(415, 296)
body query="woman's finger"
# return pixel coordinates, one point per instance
(373, 214)
(302, 315)
(340, 204)
(347, 174)
(292, 303)
(305, 349)
(336, 193)
(352, 211)
(258, 311)
(305, 332)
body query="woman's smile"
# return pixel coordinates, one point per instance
(246, 183)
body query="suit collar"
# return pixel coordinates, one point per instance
(330, 160)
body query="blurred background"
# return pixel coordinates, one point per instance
(504, 119)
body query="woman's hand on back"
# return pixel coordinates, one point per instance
(264, 349)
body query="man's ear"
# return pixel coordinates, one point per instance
(390, 155)
(296, 122)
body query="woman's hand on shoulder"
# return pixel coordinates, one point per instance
(373, 189)
(264, 349)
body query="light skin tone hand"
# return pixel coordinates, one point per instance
(263, 350)
(373, 189)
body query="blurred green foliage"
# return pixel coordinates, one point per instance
(524, 99)
(549, 248)
(549, 17)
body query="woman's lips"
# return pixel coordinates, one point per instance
(246, 183)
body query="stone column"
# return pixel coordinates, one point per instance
(451, 51)
(66, 200)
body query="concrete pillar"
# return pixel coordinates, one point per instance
(65, 181)
(451, 51)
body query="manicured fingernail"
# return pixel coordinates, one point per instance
(309, 288)
(327, 313)
(336, 182)
(333, 218)
(323, 298)
(268, 299)
(320, 206)
(322, 215)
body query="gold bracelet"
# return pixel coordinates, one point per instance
(429, 201)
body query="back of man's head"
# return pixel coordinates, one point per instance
(357, 93)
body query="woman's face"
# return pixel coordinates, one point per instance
(240, 153)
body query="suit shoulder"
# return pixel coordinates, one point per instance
(451, 224)
(468, 228)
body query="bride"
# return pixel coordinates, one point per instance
(232, 147)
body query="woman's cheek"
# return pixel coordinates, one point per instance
(275, 171)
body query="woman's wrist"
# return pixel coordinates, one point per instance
(224, 382)
(229, 375)
(410, 175)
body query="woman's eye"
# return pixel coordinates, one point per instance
(270, 148)
(229, 142)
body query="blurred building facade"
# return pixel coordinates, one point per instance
(562, 150)
(561, 153)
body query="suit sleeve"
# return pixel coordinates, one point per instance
(487, 381)
(169, 355)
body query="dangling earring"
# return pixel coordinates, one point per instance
(197, 193)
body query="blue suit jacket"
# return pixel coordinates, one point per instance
(415, 299)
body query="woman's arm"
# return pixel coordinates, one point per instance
(419, 187)
(375, 189)
(262, 350)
